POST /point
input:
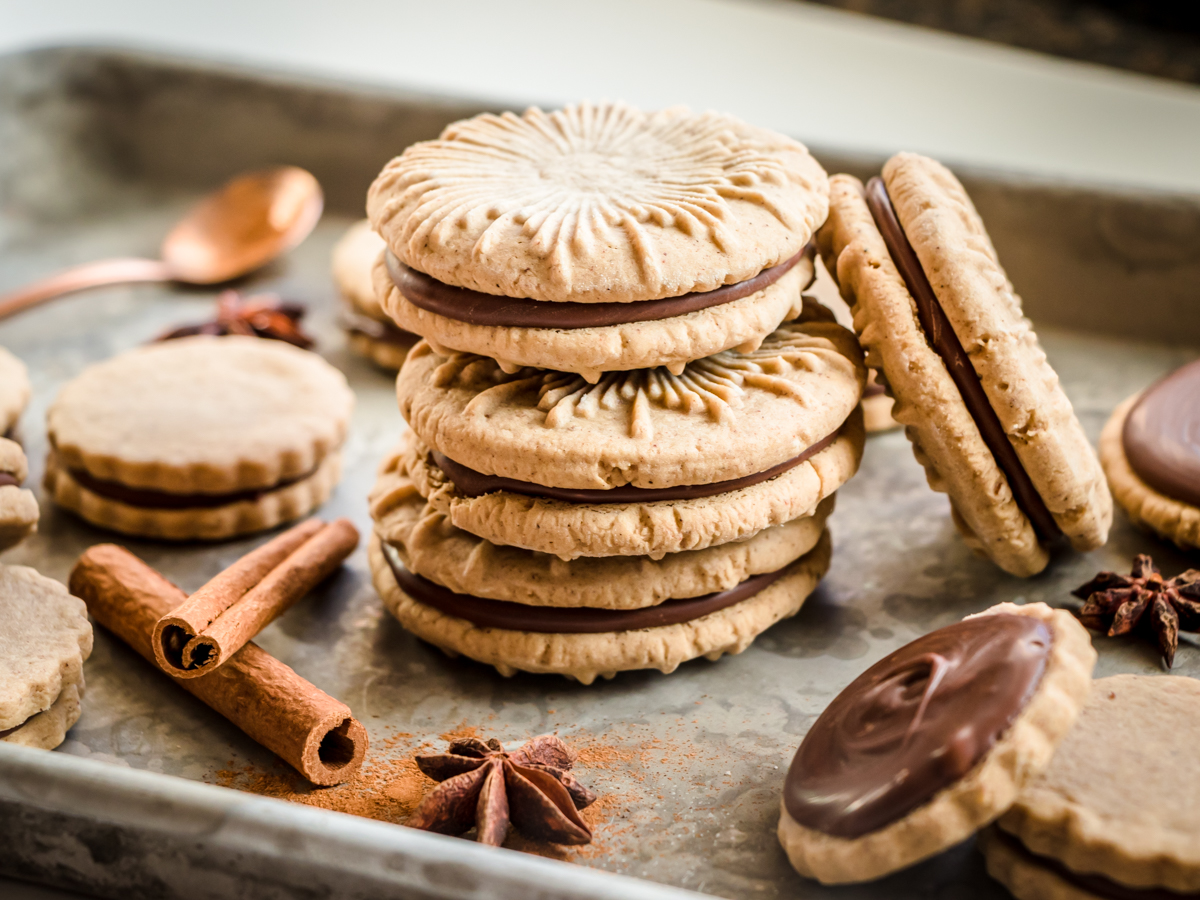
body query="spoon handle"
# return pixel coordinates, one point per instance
(82, 277)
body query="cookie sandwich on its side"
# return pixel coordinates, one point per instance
(370, 332)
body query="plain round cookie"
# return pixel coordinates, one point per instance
(598, 203)
(353, 258)
(202, 415)
(14, 390)
(19, 511)
(1122, 797)
(653, 529)
(44, 640)
(48, 729)
(1167, 517)
(584, 657)
(431, 546)
(590, 352)
(958, 811)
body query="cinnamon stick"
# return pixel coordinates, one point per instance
(221, 617)
(297, 721)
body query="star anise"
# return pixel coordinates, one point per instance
(483, 786)
(1118, 603)
(263, 315)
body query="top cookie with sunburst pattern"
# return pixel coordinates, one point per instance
(599, 203)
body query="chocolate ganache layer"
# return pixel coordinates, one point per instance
(568, 619)
(1162, 435)
(1092, 883)
(478, 308)
(946, 344)
(151, 499)
(7, 479)
(475, 484)
(915, 722)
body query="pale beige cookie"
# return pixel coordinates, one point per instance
(598, 203)
(18, 507)
(877, 413)
(385, 353)
(44, 640)
(586, 656)
(590, 352)
(1122, 797)
(990, 787)
(14, 390)
(430, 545)
(946, 439)
(48, 729)
(1171, 519)
(207, 523)
(353, 258)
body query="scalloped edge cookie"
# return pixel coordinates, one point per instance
(584, 657)
(19, 512)
(14, 390)
(48, 729)
(991, 787)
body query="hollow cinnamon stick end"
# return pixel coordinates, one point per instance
(170, 638)
(335, 749)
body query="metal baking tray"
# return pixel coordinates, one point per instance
(103, 149)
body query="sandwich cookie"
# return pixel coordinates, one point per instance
(642, 463)
(14, 391)
(198, 438)
(369, 330)
(980, 403)
(18, 507)
(877, 406)
(597, 238)
(933, 742)
(1117, 812)
(45, 639)
(1150, 450)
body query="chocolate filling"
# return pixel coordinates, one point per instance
(475, 484)
(7, 479)
(946, 344)
(376, 330)
(1162, 435)
(568, 619)
(478, 308)
(151, 499)
(1094, 884)
(915, 722)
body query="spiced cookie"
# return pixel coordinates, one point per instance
(877, 406)
(1117, 812)
(980, 403)
(18, 507)
(199, 438)
(44, 641)
(643, 463)
(14, 391)
(933, 742)
(1150, 450)
(597, 238)
(370, 332)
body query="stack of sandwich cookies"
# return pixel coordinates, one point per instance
(198, 438)
(18, 507)
(933, 742)
(597, 238)
(45, 639)
(1150, 450)
(1117, 812)
(370, 332)
(981, 405)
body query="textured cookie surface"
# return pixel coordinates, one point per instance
(598, 203)
(354, 257)
(14, 390)
(44, 640)
(1122, 796)
(724, 417)
(18, 507)
(48, 729)
(584, 657)
(985, 792)
(202, 415)
(430, 545)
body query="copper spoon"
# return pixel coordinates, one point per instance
(242, 227)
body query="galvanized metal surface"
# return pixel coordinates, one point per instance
(692, 763)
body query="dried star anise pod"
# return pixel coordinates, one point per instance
(1117, 603)
(483, 786)
(263, 315)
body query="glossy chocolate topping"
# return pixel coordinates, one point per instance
(1162, 435)
(478, 308)
(7, 479)
(150, 499)
(1092, 883)
(915, 722)
(376, 330)
(475, 484)
(946, 344)
(567, 619)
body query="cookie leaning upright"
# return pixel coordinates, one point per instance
(369, 330)
(981, 404)
(598, 237)
(202, 437)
